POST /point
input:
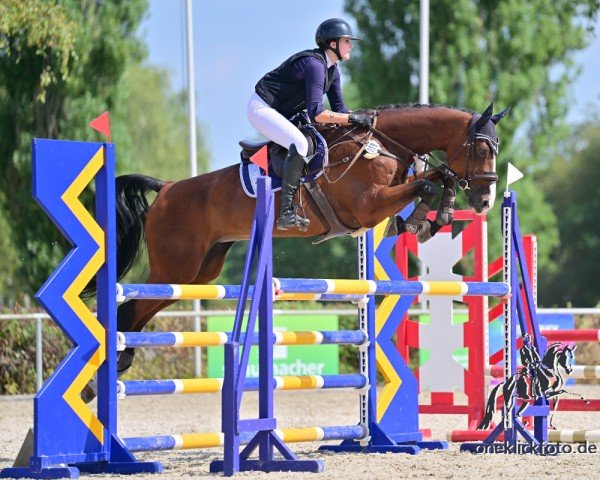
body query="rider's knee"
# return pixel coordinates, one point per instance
(301, 144)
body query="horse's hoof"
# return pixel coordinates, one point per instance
(424, 233)
(391, 229)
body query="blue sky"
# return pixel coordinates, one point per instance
(236, 42)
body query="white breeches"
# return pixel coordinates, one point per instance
(270, 123)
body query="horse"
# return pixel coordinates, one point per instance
(192, 223)
(536, 379)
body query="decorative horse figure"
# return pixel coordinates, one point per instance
(192, 223)
(537, 378)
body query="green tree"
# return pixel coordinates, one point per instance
(60, 64)
(515, 53)
(573, 190)
(157, 126)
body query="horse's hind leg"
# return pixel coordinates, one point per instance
(213, 263)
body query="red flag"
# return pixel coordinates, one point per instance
(261, 159)
(102, 124)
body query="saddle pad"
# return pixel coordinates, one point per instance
(249, 172)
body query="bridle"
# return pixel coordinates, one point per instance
(444, 168)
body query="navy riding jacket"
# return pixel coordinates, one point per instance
(300, 82)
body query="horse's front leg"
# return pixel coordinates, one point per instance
(444, 216)
(418, 217)
(397, 198)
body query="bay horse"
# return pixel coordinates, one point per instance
(192, 223)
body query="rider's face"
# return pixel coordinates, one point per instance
(345, 46)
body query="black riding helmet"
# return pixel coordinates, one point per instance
(332, 30)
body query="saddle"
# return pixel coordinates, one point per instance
(317, 148)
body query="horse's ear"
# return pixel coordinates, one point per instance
(485, 117)
(499, 116)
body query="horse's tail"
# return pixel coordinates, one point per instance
(490, 408)
(132, 206)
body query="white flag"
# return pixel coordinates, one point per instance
(512, 175)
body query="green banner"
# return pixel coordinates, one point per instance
(287, 360)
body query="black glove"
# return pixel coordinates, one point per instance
(361, 119)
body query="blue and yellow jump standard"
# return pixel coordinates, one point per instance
(66, 431)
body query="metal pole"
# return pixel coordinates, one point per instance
(423, 63)
(39, 367)
(423, 87)
(193, 152)
(424, 53)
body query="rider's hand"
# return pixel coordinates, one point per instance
(360, 119)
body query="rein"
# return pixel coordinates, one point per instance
(363, 142)
(443, 167)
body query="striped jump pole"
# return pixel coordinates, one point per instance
(151, 291)
(212, 440)
(391, 287)
(212, 385)
(211, 339)
(589, 372)
(574, 436)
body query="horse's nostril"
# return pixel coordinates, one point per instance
(485, 204)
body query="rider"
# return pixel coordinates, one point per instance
(299, 83)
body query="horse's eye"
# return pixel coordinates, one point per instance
(482, 151)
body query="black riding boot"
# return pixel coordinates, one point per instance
(292, 172)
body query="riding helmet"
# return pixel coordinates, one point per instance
(333, 29)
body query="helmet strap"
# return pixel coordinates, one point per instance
(336, 50)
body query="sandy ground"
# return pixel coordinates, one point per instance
(140, 416)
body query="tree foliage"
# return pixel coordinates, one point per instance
(574, 194)
(62, 62)
(156, 135)
(512, 52)
(59, 61)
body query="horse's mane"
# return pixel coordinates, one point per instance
(402, 106)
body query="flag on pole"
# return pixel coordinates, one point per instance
(102, 124)
(512, 175)
(261, 159)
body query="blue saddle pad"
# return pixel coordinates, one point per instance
(249, 172)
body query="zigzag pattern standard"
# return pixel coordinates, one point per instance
(62, 170)
(389, 315)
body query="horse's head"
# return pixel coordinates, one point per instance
(566, 359)
(475, 160)
(560, 355)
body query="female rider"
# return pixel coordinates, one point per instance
(299, 83)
